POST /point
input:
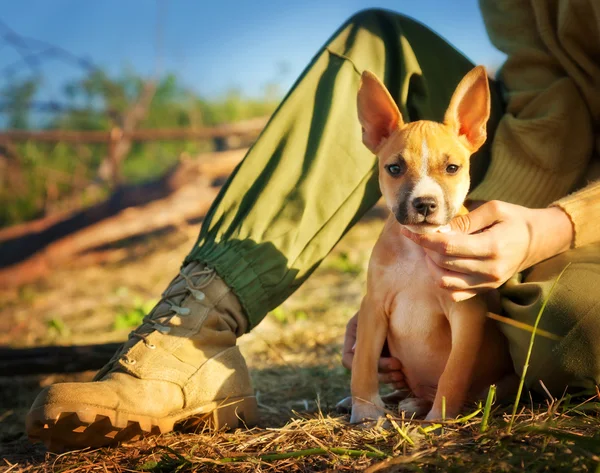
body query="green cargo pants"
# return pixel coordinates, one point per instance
(308, 179)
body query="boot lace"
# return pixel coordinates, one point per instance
(164, 314)
(167, 310)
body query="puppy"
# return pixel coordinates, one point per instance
(447, 349)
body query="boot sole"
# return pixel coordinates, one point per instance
(63, 426)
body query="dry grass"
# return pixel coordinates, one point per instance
(294, 356)
(543, 440)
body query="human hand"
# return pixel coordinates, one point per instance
(489, 245)
(390, 369)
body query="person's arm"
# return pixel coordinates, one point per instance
(544, 141)
(583, 209)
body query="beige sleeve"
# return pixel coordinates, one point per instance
(544, 141)
(583, 208)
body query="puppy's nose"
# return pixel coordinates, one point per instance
(425, 205)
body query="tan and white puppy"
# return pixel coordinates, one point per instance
(447, 349)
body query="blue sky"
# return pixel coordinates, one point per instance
(219, 44)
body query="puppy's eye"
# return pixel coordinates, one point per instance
(395, 170)
(452, 169)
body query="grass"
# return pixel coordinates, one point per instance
(58, 327)
(487, 409)
(133, 316)
(294, 356)
(530, 350)
(541, 441)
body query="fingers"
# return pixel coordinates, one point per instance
(389, 364)
(462, 286)
(349, 342)
(347, 359)
(447, 279)
(397, 377)
(458, 296)
(390, 372)
(482, 216)
(453, 263)
(462, 245)
(473, 266)
(467, 238)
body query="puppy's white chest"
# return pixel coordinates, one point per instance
(418, 307)
(410, 288)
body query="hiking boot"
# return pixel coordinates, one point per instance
(181, 366)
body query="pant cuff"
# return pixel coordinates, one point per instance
(234, 261)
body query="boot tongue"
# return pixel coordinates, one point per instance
(163, 309)
(177, 291)
(179, 288)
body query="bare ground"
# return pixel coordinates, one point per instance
(294, 356)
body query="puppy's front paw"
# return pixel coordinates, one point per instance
(345, 405)
(362, 410)
(433, 415)
(432, 427)
(414, 406)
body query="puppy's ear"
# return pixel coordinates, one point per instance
(469, 108)
(378, 114)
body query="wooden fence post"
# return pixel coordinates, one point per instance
(115, 136)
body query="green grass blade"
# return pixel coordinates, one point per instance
(465, 419)
(488, 407)
(530, 350)
(401, 432)
(443, 411)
